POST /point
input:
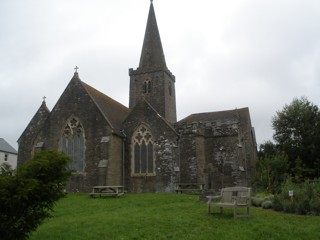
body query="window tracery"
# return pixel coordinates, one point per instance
(142, 152)
(72, 142)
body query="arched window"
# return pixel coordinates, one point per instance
(147, 86)
(142, 152)
(72, 142)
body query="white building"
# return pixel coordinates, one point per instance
(8, 154)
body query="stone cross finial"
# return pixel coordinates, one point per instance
(76, 68)
(44, 98)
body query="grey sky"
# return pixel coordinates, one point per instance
(225, 54)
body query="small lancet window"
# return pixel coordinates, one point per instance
(142, 152)
(170, 89)
(147, 86)
(72, 142)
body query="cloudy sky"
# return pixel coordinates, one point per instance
(225, 54)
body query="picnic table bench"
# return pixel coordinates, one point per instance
(189, 187)
(107, 191)
(232, 197)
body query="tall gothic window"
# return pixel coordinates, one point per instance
(72, 142)
(142, 152)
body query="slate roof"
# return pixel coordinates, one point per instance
(6, 147)
(144, 101)
(242, 113)
(113, 111)
(36, 122)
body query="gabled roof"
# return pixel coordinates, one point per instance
(144, 101)
(36, 122)
(235, 114)
(6, 147)
(113, 111)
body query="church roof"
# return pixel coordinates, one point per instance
(144, 101)
(36, 122)
(242, 113)
(113, 111)
(152, 55)
(6, 147)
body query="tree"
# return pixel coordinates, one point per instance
(28, 197)
(271, 169)
(297, 134)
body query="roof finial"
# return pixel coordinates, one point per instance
(151, 1)
(76, 68)
(44, 99)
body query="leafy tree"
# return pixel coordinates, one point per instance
(267, 149)
(28, 197)
(297, 134)
(272, 168)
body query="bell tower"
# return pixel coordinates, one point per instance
(152, 80)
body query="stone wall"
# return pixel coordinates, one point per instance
(218, 153)
(161, 94)
(165, 149)
(100, 153)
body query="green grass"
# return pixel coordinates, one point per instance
(166, 216)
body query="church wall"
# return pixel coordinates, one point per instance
(212, 153)
(165, 152)
(75, 102)
(200, 144)
(114, 174)
(29, 136)
(161, 94)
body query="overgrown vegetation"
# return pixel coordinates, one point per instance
(305, 199)
(297, 134)
(292, 161)
(166, 216)
(28, 196)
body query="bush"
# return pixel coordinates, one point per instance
(277, 204)
(267, 204)
(315, 206)
(257, 201)
(305, 200)
(28, 197)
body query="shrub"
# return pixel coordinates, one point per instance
(305, 198)
(257, 201)
(277, 204)
(28, 197)
(267, 204)
(315, 206)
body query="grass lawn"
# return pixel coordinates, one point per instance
(166, 216)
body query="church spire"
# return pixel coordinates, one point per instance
(152, 56)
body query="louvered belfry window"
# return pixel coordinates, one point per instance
(72, 142)
(142, 152)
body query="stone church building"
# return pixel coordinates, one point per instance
(143, 148)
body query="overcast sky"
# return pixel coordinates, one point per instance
(225, 54)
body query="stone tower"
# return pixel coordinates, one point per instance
(152, 80)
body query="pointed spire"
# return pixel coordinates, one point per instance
(152, 56)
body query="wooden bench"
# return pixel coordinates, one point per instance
(107, 191)
(232, 197)
(190, 187)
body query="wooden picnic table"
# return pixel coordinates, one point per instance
(190, 187)
(107, 190)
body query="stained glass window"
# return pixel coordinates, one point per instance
(72, 142)
(142, 152)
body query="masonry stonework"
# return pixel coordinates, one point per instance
(143, 147)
